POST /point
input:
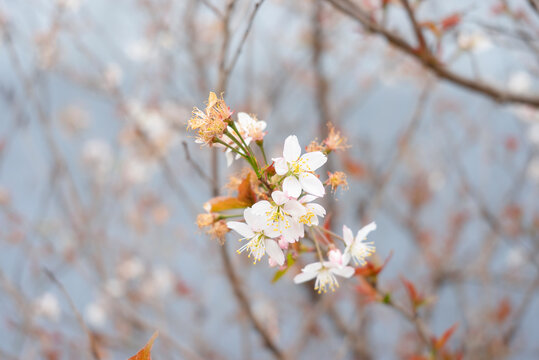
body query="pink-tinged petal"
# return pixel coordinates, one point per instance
(304, 276)
(307, 199)
(345, 271)
(348, 235)
(262, 125)
(280, 165)
(292, 150)
(294, 208)
(365, 230)
(292, 187)
(274, 251)
(261, 207)
(311, 184)
(279, 197)
(241, 228)
(312, 161)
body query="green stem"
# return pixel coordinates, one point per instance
(261, 147)
(219, 141)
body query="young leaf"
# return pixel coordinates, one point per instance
(145, 352)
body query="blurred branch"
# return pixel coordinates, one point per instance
(245, 305)
(430, 62)
(91, 339)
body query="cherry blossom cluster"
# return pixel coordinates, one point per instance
(281, 217)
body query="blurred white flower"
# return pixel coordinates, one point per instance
(516, 258)
(130, 269)
(140, 50)
(112, 76)
(97, 156)
(163, 279)
(47, 306)
(136, 171)
(519, 82)
(473, 41)
(74, 119)
(95, 314)
(436, 180)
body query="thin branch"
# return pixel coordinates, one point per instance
(431, 63)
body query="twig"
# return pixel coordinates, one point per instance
(355, 12)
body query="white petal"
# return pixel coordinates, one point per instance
(261, 207)
(271, 231)
(292, 187)
(365, 230)
(345, 271)
(312, 161)
(241, 228)
(292, 150)
(274, 251)
(244, 119)
(279, 197)
(346, 257)
(312, 267)
(304, 276)
(229, 157)
(295, 209)
(280, 165)
(347, 235)
(255, 221)
(312, 184)
(317, 209)
(307, 198)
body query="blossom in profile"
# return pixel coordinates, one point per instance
(298, 171)
(357, 248)
(313, 211)
(281, 216)
(250, 128)
(259, 243)
(325, 274)
(212, 122)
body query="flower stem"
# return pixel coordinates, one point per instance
(261, 146)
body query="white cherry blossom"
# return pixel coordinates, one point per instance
(299, 170)
(325, 274)
(356, 248)
(281, 216)
(314, 211)
(259, 242)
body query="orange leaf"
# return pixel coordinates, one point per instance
(442, 340)
(450, 21)
(145, 352)
(223, 203)
(245, 191)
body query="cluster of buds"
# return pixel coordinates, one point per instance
(276, 209)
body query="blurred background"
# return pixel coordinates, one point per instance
(100, 184)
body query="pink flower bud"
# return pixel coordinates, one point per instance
(335, 256)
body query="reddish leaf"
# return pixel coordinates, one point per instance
(145, 352)
(245, 191)
(415, 297)
(442, 340)
(450, 21)
(223, 203)
(371, 269)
